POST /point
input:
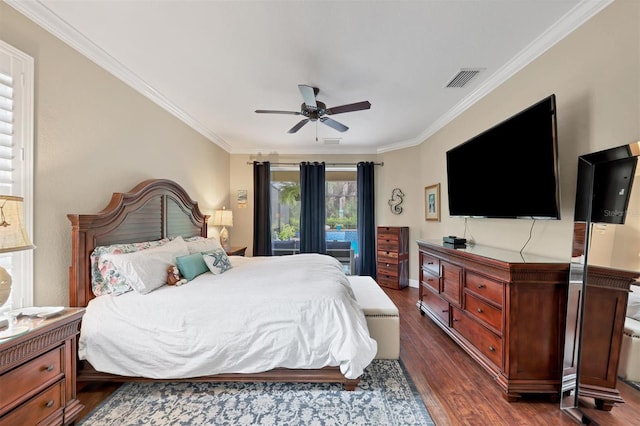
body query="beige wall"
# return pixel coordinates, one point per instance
(94, 135)
(595, 74)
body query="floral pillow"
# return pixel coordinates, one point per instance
(146, 270)
(217, 261)
(105, 278)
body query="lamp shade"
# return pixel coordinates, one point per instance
(13, 235)
(222, 218)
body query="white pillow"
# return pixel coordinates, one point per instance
(202, 244)
(146, 270)
(633, 305)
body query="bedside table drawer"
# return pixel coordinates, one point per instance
(30, 376)
(38, 408)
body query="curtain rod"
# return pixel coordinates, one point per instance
(249, 163)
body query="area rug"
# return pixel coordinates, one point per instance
(384, 396)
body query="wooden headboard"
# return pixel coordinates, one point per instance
(152, 210)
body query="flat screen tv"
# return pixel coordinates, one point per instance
(510, 170)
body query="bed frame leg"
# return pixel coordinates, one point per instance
(351, 384)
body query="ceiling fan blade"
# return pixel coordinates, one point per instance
(334, 124)
(358, 106)
(270, 111)
(308, 94)
(298, 126)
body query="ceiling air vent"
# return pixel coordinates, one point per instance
(331, 141)
(463, 77)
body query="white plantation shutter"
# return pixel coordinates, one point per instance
(16, 160)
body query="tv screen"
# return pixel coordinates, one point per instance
(509, 170)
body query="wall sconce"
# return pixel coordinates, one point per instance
(223, 218)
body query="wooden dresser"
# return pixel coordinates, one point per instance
(603, 327)
(392, 268)
(505, 310)
(38, 372)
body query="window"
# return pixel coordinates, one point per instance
(341, 213)
(16, 159)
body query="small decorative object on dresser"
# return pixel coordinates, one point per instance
(393, 257)
(236, 251)
(38, 370)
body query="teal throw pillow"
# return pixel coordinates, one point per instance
(191, 265)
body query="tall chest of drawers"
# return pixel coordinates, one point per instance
(38, 372)
(505, 310)
(392, 269)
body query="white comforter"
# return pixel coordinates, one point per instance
(265, 312)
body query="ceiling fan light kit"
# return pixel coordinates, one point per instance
(315, 110)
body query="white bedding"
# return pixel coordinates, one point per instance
(265, 312)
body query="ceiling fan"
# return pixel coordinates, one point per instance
(315, 110)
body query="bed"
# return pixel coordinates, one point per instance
(157, 210)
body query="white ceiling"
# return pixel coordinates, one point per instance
(212, 63)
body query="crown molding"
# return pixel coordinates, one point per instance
(47, 19)
(44, 17)
(562, 28)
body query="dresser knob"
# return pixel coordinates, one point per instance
(49, 368)
(388, 265)
(49, 403)
(480, 310)
(481, 286)
(492, 349)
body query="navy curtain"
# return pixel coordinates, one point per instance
(261, 208)
(312, 208)
(366, 263)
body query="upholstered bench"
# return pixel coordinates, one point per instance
(629, 368)
(383, 317)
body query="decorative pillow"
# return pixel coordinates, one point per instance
(105, 279)
(202, 244)
(146, 270)
(217, 261)
(191, 265)
(633, 305)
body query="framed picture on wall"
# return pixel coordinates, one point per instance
(432, 202)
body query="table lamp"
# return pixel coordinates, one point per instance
(223, 218)
(13, 237)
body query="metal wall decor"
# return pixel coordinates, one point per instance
(396, 200)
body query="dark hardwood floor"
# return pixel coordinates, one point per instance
(455, 389)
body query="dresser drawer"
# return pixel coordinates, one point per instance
(388, 281)
(389, 233)
(436, 304)
(388, 256)
(390, 269)
(28, 377)
(451, 282)
(484, 287)
(484, 340)
(484, 312)
(388, 245)
(431, 280)
(46, 403)
(430, 263)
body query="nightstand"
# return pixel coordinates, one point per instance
(236, 251)
(38, 371)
